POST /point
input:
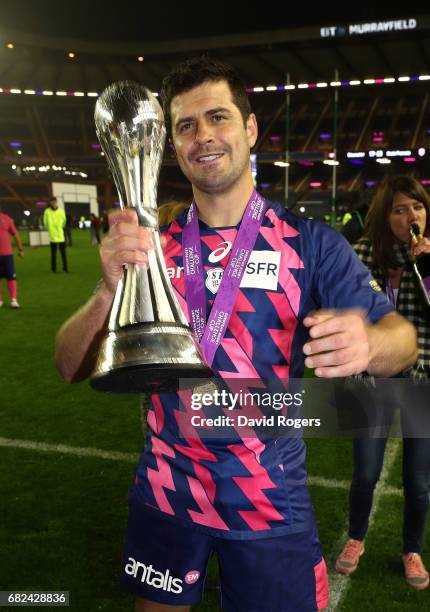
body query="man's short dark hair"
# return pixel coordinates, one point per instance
(196, 71)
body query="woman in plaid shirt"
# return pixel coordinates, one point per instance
(387, 251)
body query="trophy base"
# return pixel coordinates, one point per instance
(148, 358)
(147, 378)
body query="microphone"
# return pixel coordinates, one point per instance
(421, 266)
(415, 233)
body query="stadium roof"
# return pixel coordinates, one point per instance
(107, 38)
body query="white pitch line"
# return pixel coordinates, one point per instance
(328, 483)
(79, 451)
(339, 583)
(68, 450)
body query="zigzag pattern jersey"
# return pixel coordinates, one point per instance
(250, 487)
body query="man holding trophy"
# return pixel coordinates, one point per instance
(265, 292)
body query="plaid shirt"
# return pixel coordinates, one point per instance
(408, 304)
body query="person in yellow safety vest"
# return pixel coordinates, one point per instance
(346, 217)
(54, 219)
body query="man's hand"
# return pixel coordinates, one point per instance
(339, 343)
(126, 243)
(20, 252)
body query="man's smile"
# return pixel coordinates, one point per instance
(207, 158)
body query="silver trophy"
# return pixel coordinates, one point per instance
(149, 345)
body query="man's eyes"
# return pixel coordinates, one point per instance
(188, 125)
(184, 127)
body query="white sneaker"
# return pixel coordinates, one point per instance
(14, 304)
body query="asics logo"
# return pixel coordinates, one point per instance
(220, 252)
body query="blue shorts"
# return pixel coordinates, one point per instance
(7, 269)
(167, 563)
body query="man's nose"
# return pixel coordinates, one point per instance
(203, 134)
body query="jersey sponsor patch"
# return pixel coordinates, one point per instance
(375, 286)
(262, 272)
(154, 578)
(213, 279)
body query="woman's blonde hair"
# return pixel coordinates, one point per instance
(169, 211)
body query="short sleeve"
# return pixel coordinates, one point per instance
(12, 228)
(341, 280)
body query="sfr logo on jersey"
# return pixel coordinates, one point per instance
(158, 580)
(262, 272)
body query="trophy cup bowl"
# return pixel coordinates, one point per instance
(149, 345)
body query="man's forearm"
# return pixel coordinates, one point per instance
(393, 345)
(18, 242)
(79, 338)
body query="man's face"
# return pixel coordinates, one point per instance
(404, 212)
(54, 204)
(212, 143)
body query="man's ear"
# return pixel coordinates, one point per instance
(252, 129)
(173, 147)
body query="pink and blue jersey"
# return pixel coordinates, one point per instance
(7, 229)
(250, 487)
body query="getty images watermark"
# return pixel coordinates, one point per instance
(249, 408)
(355, 407)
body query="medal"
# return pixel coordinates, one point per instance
(211, 333)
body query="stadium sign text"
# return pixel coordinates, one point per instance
(374, 27)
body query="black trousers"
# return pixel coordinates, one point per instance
(62, 247)
(368, 460)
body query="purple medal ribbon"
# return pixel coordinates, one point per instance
(390, 293)
(211, 333)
